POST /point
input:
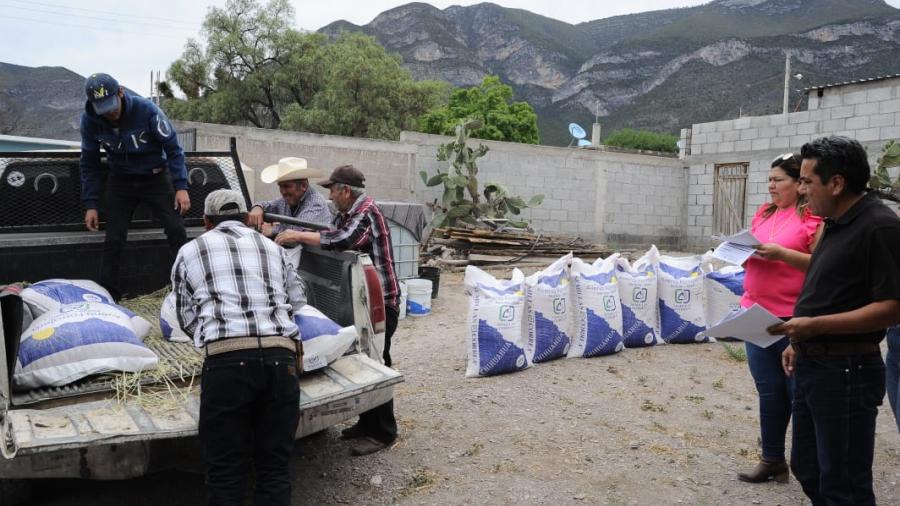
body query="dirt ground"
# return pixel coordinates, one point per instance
(665, 425)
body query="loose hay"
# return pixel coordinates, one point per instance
(167, 387)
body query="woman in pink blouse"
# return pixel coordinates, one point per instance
(773, 277)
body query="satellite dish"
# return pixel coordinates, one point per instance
(584, 142)
(576, 131)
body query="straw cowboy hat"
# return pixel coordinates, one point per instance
(288, 169)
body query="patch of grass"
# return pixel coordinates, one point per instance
(719, 384)
(474, 450)
(642, 381)
(421, 479)
(695, 398)
(651, 406)
(723, 433)
(707, 414)
(735, 353)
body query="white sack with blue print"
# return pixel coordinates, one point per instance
(168, 321)
(50, 294)
(549, 313)
(77, 340)
(638, 292)
(324, 341)
(598, 308)
(723, 289)
(496, 342)
(682, 317)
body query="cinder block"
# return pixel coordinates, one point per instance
(807, 128)
(559, 215)
(868, 135)
(768, 132)
(726, 147)
(832, 99)
(703, 128)
(890, 106)
(779, 119)
(705, 220)
(725, 126)
(879, 94)
(741, 123)
(705, 199)
(698, 139)
(845, 111)
(786, 131)
(857, 123)
(731, 135)
(855, 97)
(759, 121)
(637, 219)
(749, 134)
(799, 140)
(887, 133)
(781, 142)
(740, 146)
(866, 109)
(882, 120)
(761, 144)
(833, 125)
(798, 117)
(705, 179)
(714, 137)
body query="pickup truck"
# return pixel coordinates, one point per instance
(81, 430)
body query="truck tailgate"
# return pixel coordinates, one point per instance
(350, 385)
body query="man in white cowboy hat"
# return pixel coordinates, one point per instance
(297, 199)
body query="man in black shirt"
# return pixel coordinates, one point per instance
(850, 296)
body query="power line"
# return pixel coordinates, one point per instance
(113, 21)
(130, 15)
(96, 28)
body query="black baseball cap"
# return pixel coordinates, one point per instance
(345, 174)
(101, 90)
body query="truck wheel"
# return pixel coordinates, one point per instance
(15, 492)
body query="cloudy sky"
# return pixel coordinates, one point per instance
(129, 38)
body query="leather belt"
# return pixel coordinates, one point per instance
(819, 349)
(251, 343)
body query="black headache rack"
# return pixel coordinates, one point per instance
(40, 191)
(42, 232)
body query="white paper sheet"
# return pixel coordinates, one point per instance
(744, 238)
(733, 253)
(748, 325)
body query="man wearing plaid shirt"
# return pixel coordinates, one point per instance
(236, 293)
(361, 226)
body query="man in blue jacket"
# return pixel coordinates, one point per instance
(144, 162)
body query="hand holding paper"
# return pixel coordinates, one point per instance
(736, 249)
(748, 325)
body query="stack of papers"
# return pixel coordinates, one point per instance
(736, 249)
(747, 324)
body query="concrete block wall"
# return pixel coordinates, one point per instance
(387, 164)
(623, 199)
(868, 112)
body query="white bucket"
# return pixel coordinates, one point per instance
(402, 300)
(419, 297)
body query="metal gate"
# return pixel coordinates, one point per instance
(730, 197)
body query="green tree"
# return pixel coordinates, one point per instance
(643, 139)
(364, 92)
(256, 69)
(491, 103)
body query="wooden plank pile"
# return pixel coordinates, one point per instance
(480, 246)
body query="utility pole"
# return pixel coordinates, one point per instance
(787, 82)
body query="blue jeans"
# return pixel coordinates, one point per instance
(249, 410)
(836, 401)
(776, 392)
(892, 371)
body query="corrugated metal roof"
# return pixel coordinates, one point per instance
(857, 81)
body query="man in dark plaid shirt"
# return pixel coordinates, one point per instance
(361, 226)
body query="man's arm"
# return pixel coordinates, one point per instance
(89, 165)
(165, 133)
(869, 318)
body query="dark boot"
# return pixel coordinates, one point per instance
(765, 471)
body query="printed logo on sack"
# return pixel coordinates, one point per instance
(559, 305)
(520, 361)
(639, 294)
(682, 296)
(92, 297)
(507, 313)
(609, 303)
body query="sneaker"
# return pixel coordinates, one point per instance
(367, 445)
(356, 431)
